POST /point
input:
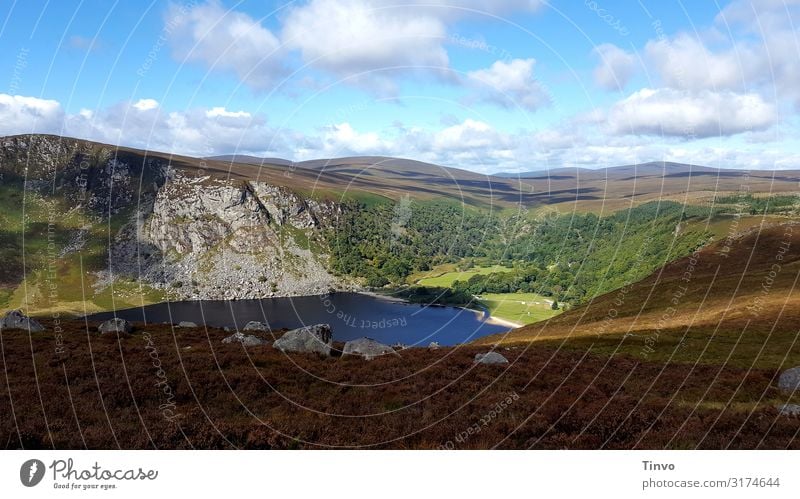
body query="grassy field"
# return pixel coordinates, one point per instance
(522, 308)
(443, 276)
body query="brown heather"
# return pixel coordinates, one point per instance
(101, 394)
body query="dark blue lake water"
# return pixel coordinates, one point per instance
(351, 316)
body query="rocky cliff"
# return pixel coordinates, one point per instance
(171, 227)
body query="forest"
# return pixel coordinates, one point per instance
(569, 256)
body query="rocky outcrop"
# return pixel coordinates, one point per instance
(789, 381)
(247, 340)
(188, 235)
(187, 324)
(433, 345)
(115, 325)
(15, 319)
(490, 358)
(284, 206)
(367, 348)
(207, 238)
(256, 326)
(309, 339)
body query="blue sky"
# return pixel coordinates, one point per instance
(489, 86)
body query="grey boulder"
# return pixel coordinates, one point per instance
(434, 345)
(256, 326)
(247, 340)
(187, 324)
(490, 358)
(789, 380)
(367, 348)
(317, 338)
(789, 410)
(115, 325)
(15, 319)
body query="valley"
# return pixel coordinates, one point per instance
(611, 296)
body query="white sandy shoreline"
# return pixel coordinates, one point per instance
(488, 317)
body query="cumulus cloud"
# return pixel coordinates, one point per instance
(366, 42)
(197, 132)
(751, 46)
(510, 84)
(343, 140)
(352, 37)
(226, 40)
(647, 126)
(21, 114)
(690, 115)
(684, 62)
(470, 134)
(615, 68)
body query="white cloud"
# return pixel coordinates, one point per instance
(685, 63)
(350, 37)
(752, 46)
(226, 40)
(511, 84)
(146, 104)
(615, 68)
(366, 42)
(21, 114)
(198, 132)
(469, 143)
(470, 134)
(218, 112)
(343, 140)
(690, 115)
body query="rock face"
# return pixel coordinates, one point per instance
(115, 325)
(490, 358)
(212, 238)
(317, 338)
(187, 324)
(256, 326)
(15, 319)
(188, 231)
(789, 380)
(789, 410)
(367, 348)
(247, 340)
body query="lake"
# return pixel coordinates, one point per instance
(351, 316)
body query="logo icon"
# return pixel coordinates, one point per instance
(31, 472)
